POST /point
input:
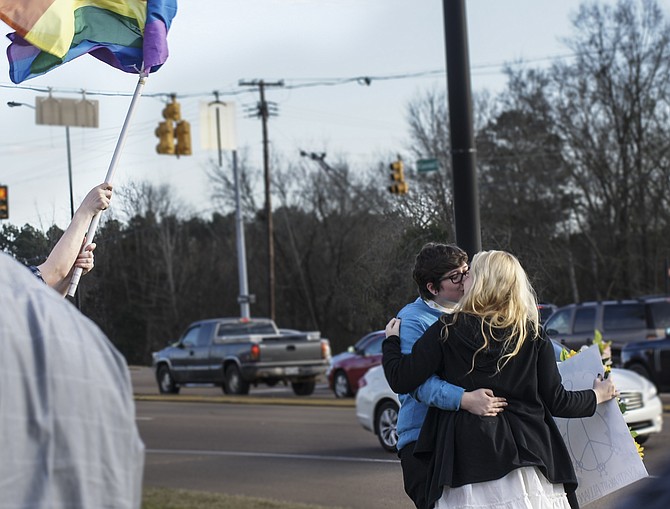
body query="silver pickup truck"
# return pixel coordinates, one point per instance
(236, 352)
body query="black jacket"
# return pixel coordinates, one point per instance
(462, 448)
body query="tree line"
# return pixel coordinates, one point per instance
(573, 173)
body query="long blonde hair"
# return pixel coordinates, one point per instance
(502, 296)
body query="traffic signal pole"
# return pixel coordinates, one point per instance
(466, 199)
(243, 297)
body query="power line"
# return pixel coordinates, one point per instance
(295, 83)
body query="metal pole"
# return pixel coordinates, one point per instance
(466, 200)
(77, 297)
(241, 253)
(69, 168)
(218, 130)
(243, 297)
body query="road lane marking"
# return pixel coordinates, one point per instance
(267, 455)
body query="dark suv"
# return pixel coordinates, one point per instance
(621, 321)
(651, 359)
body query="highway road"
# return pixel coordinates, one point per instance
(312, 452)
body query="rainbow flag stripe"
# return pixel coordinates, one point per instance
(130, 35)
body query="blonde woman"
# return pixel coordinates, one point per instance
(493, 339)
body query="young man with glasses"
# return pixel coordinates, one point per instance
(439, 271)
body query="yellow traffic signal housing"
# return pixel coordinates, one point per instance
(4, 203)
(397, 173)
(165, 133)
(398, 176)
(399, 188)
(183, 133)
(172, 111)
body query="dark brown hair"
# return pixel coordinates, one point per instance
(434, 261)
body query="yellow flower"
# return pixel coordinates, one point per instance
(567, 354)
(640, 450)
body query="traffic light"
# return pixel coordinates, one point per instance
(165, 133)
(398, 177)
(4, 203)
(183, 134)
(172, 111)
(173, 127)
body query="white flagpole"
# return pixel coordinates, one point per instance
(74, 282)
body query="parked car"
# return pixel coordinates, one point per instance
(650, 359)
(377, 405)
(622, 322)
(348, 367)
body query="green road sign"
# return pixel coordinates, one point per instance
(426, 165)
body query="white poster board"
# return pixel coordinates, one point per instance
(601, 447)
(226, 125)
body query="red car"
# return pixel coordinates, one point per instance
(348, 367)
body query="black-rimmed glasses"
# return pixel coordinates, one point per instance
(457, 278)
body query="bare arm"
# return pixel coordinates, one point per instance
(65, 253)
(84, 261)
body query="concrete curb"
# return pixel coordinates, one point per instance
(247, 400)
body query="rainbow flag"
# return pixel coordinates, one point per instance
(130, 35)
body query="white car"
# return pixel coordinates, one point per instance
(644, 409)
(377, 405)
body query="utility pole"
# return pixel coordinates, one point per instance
(466, 199)
(262, 111)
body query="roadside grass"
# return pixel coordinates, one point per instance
(164, 498)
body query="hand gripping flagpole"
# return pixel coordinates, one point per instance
(90, 235)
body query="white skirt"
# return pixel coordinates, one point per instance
(523, 488)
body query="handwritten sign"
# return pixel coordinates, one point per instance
(601, 447)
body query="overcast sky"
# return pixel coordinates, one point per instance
(215, 43)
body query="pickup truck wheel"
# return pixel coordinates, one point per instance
(304, 388)
(341, 385)
(386, 422)
(234, 384)
(166, 384)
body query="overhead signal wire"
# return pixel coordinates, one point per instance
(295, 83)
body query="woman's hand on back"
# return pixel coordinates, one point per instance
(393, 327)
